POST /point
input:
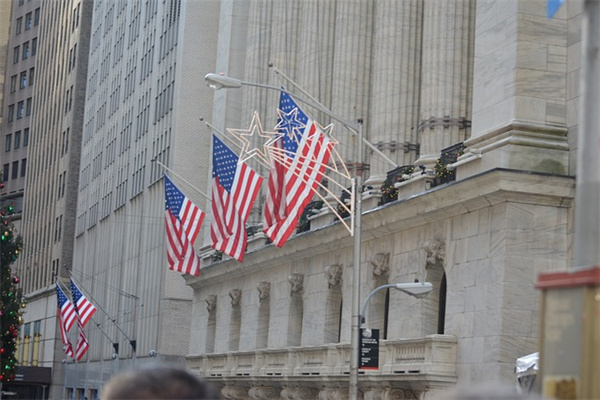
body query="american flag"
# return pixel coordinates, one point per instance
(234, 189)
(82, 343)
(305, 150)
(85, 309)
(183, 220)
(66, 318)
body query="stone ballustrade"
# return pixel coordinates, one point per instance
(415, 364)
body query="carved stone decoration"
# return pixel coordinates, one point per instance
(297, 282)
(299, 393)
(263, 393)
(234, 393)
(211, 303)
(400, 394)
(436, 252)
(381, 265)
(236, 297)
(334, 394)
(374, 394)
(334, 273)
(264, 290)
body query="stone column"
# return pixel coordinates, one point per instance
(393, 115)
(351, 63)
(445, 76)
(519, 89)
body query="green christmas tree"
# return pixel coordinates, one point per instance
(11, 302)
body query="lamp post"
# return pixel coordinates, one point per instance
(218, 81)
(416, 289)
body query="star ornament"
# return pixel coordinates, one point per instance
(290, 125)
(255, 141)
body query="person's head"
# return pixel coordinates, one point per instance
(157, 383)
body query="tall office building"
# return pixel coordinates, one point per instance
(19, 80)
(54, 138)
(142, 104)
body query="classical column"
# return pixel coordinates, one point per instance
(447, 57)
(393, 114)
(519, 90)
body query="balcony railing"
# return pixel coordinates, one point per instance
(431, 358)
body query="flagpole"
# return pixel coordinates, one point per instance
(181, 178)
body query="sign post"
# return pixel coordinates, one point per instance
(369, 349)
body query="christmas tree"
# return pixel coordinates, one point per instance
(11, 302)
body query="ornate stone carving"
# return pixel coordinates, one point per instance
(236, 297)
(234, 393)
(333, 394)
(390, 394)
(334, 274)
(211, 303)
(264, 290)
(297, 282)
(436, 252)
(381, 265)
(263, 393)
(299, 393)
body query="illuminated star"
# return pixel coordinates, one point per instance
(290, 125)
(255, 130)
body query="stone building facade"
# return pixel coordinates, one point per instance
(480, 97)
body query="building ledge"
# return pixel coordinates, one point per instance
(416, 364)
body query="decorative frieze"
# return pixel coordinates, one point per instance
(264, 290)
(334, 274)
(297, 283)
(381, 265)
(211, 303)
(236, 297)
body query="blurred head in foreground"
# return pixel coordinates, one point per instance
(157, 383)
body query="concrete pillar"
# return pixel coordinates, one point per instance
(392, 125)
(446, 76)
(519, 89)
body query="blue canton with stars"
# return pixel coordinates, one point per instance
(293, 123)
(173, 197)
(224, 164)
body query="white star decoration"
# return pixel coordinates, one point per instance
(250, 150)
(290, 124)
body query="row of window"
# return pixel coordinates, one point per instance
(10, 144)
(21, 80)
(31, 19)
(24, 108)
(25, 51)
(6, 171)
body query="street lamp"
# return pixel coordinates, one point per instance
(416, 289)
(219, 81)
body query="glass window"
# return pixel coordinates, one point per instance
(7, 142)
(36, 17)
(11, 113)
(28, 106)
(31, 76)
(19, 26)
(21, 2)
(28, 21)
(13, 83)
(33, 47)
(16, 51)
(20, 109)
(17, 139)
(23, 167)
(15, 170)
(23, 80)
(5, 171)
(25, 137)
(25, 51)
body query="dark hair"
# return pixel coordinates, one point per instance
(158, 382)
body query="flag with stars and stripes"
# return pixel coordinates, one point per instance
(85, 309)
(299, 161)
(183, 221)
(82, 342)
(66, 319)
(234, 189)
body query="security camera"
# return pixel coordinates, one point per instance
(152, 353)
(64, 360)
(115, 356)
